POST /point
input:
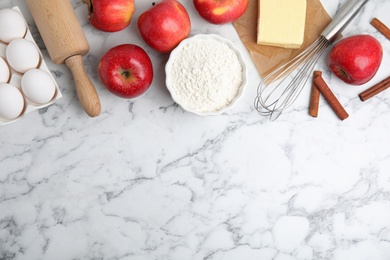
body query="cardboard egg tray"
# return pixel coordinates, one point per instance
(15, 79)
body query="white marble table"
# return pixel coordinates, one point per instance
(146, 180)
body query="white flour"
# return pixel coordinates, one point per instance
(206, 75)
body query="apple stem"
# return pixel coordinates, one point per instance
(344, 73)
(126, 74)
(89, 4)
(154, 3)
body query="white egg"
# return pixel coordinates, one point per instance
(38, 86)
(4, 71)
(12, 25)
(11, 102)
(22, 55)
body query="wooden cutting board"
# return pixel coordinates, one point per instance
(267, 58)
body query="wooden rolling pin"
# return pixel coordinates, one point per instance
(66, 43)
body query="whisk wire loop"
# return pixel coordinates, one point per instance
(279, 89)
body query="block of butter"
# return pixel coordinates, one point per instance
(281, 23)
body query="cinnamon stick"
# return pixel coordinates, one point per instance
(330, 98)
(376, 89)
(381, 27)
(314, 96)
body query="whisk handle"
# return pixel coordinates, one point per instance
(342, 19)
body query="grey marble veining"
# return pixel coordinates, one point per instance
(146, 180)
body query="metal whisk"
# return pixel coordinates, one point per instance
(279, 89)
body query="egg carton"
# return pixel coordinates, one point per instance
(16, 78)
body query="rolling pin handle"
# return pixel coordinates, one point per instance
(86, 92)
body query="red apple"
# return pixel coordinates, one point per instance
(164, 25)
(220, 11)
(356, 59)
(126, 70)
(110, 15)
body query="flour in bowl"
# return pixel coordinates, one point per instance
(206, 75)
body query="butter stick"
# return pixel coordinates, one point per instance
(281, 23)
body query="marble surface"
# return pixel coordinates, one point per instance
(146, 180)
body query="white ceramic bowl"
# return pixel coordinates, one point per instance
(179, 99)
